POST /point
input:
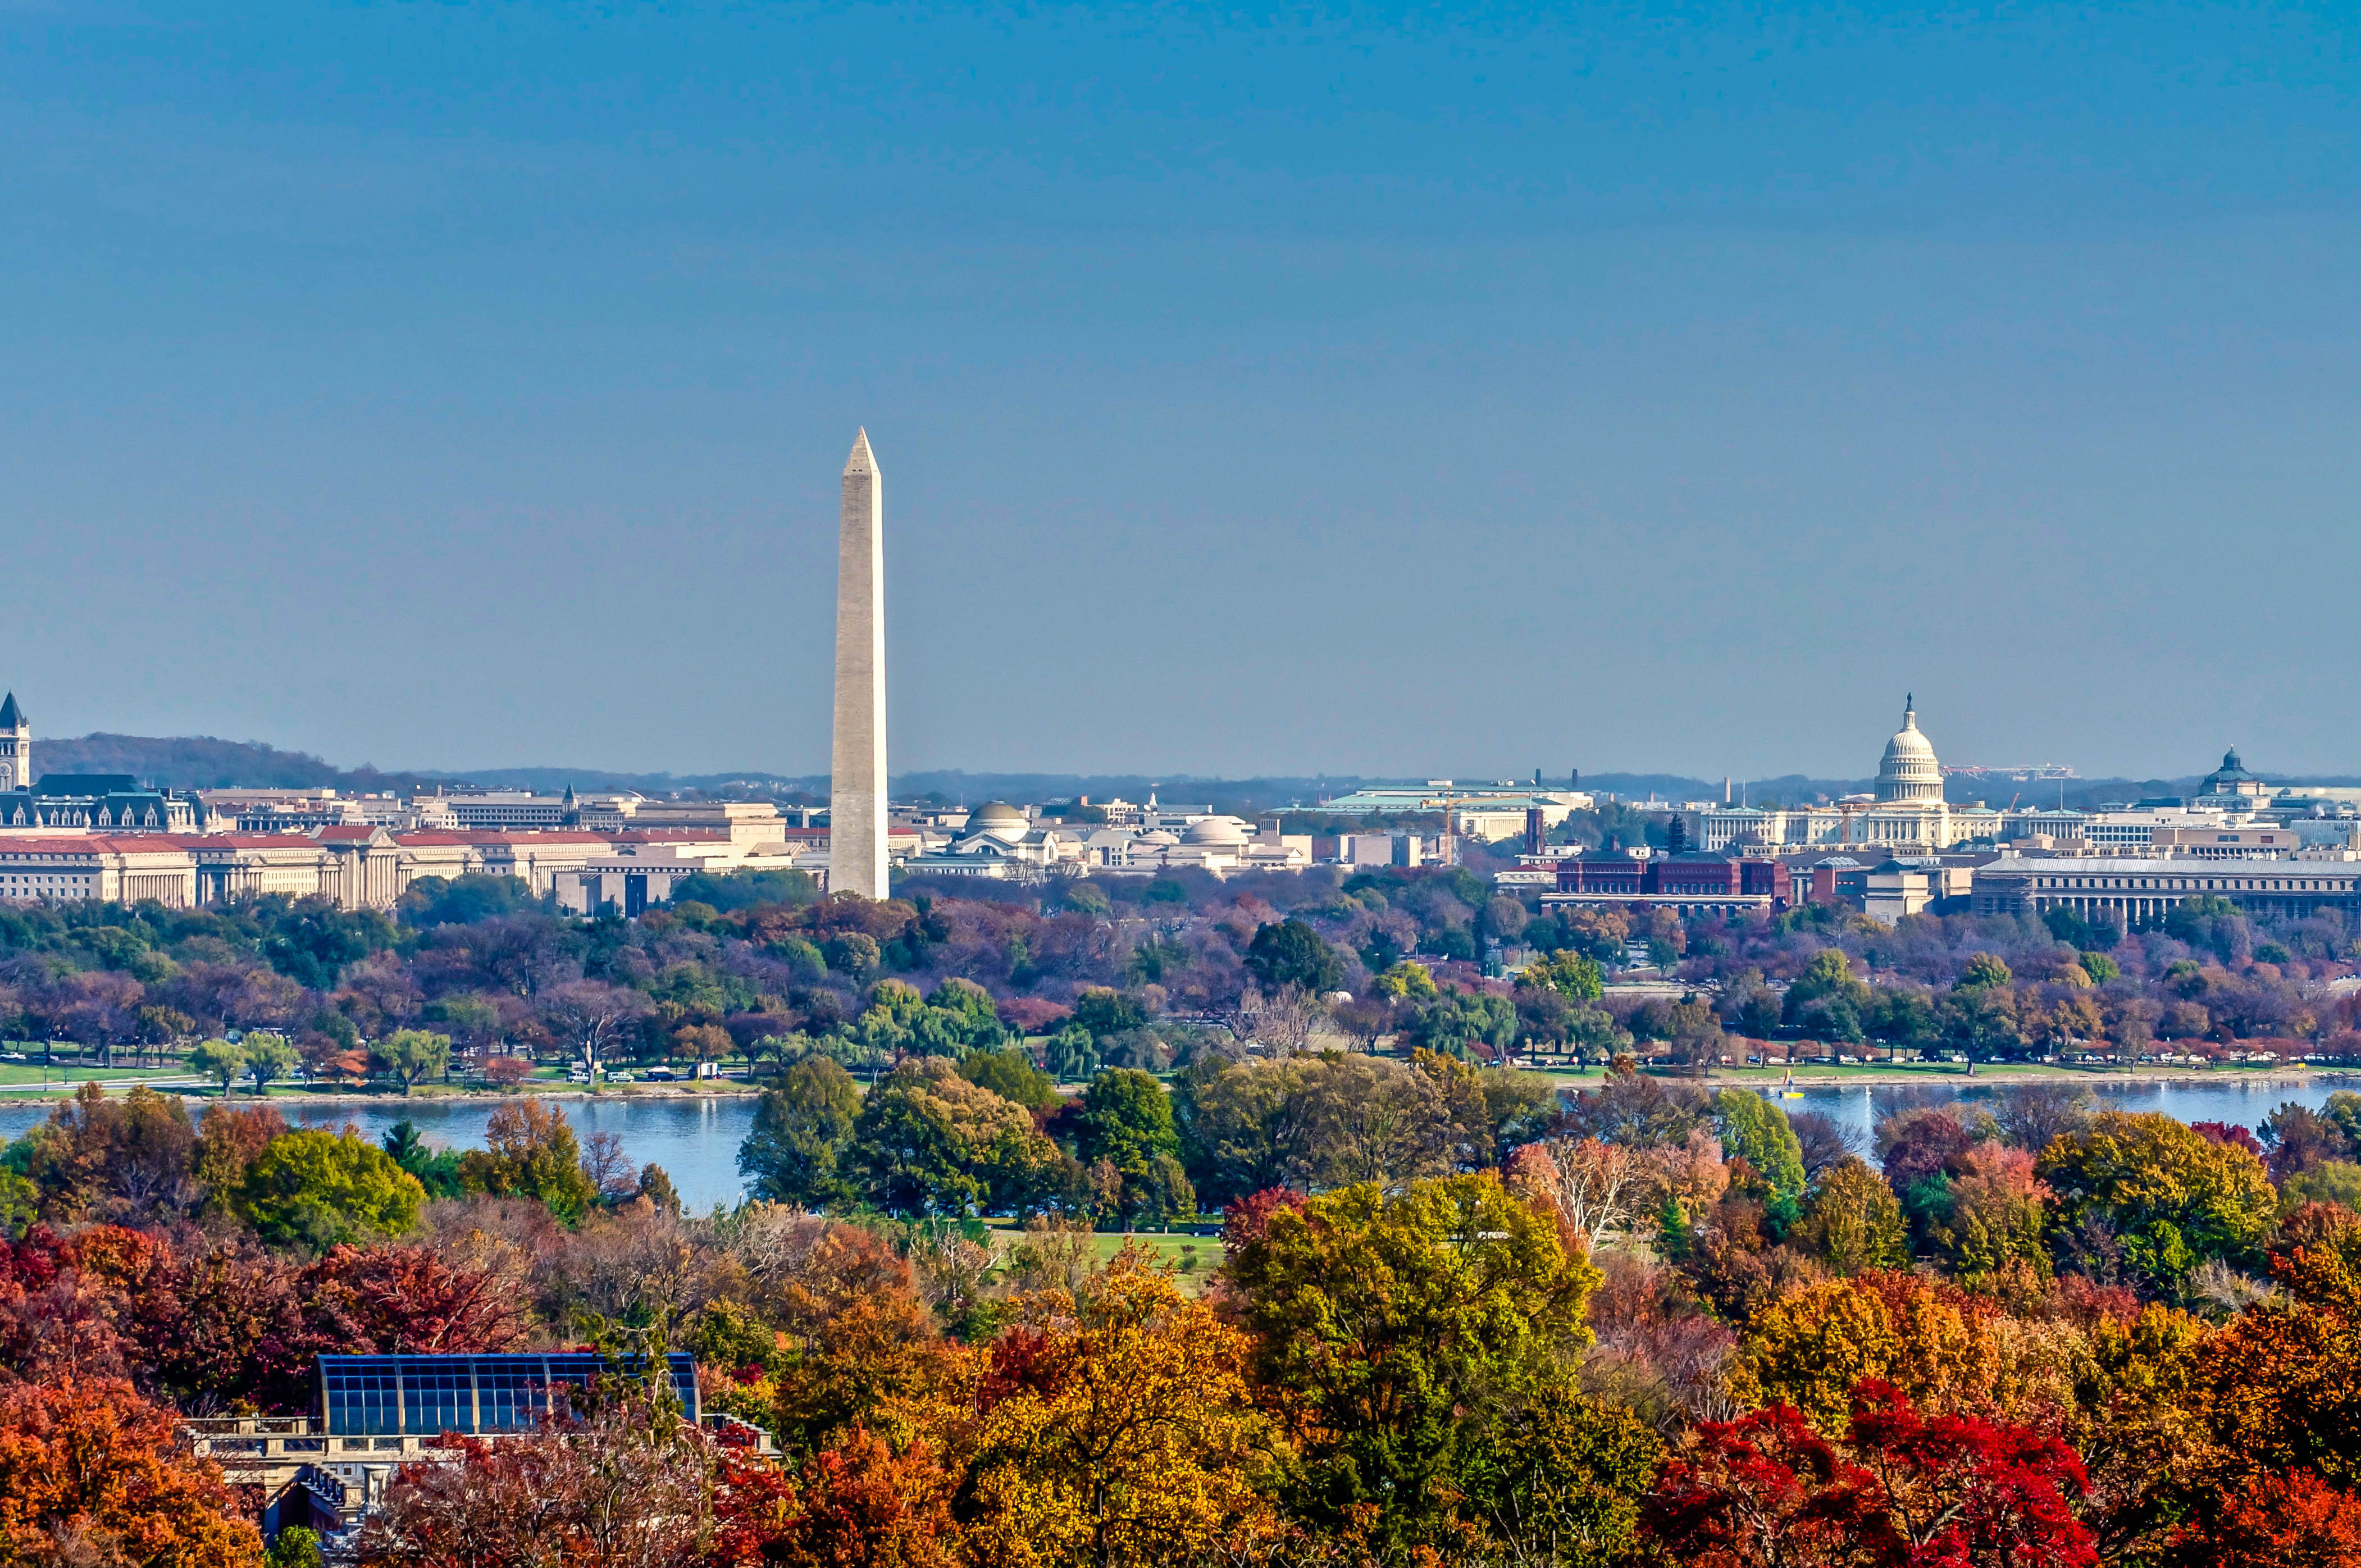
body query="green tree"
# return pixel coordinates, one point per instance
(929, 1142)
(1403, 1332)
(1571, 975)
(1292, 953)
(321, 1189)
(1984, 972)
(219, 1060)
(1070, 1055)
(437, 1170)
(1559, 1478)
(967, 1015)
(852, 953)
(295, 1548)
(2100, 968)
(1126, 1122)
(1902, 1017)
(2173, 1196)
(1455, 1022)
(796, 1151)
(1980, 1022)
(1828, 977)
(1106, 1013)
(1012, 1076)
(1754, 1130)
(269, 1057)
(412, 1053)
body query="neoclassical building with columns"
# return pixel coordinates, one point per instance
(1905, 810)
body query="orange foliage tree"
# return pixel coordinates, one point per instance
(92, 1473)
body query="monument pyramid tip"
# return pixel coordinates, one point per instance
(862, 459)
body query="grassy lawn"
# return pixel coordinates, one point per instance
(1207, 1251)
(17, 1072)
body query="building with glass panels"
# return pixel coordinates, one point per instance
(424, 1395)
(377, 1413)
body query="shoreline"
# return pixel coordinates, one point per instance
(61, 1095)
(1896, 1078)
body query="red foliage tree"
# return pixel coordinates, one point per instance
(2231, 1134)
(1249, 1219)
(2295, 1520)
(1903, 1491)
(406, 1299)
(858, 1504)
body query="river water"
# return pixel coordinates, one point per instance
(696, 1140)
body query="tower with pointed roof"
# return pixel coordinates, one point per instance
(16, 746)
(856, 801)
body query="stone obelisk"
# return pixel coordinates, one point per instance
(856, 799)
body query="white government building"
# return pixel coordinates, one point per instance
(1906, 811)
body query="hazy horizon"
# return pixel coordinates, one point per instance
(1559, 388)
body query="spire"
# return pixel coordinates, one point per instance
(1910, 710)
(11, 715)
(862, 460)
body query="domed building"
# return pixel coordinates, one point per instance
(1908, 807)
(1904, 812)
(2231, 787)
(998, 819)
(1909, 770)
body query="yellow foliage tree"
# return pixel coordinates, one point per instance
(1117, 1431)
(1855, 1222)
(1926, 1339)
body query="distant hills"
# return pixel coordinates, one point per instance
(202, 761)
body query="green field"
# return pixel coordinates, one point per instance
(1167, 1249)
(19, 1073)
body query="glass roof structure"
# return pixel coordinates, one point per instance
(368, 1395)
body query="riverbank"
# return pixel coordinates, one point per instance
(287, 1098)
(1952, 1075)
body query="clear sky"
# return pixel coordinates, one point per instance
(1261, 389)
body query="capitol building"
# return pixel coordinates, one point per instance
(1905, 812)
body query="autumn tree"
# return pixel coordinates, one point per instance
(1810, 1348)
(1118, 1431)
(863, 1503)
(630, 1487)
(1898, 1488)
(1990, 1220)
(2172, 1198)
(529, 1151)
(1392, 1332)
(92, 1473)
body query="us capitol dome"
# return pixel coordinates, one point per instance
(1909, 770)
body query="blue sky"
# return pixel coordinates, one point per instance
(1372, 389)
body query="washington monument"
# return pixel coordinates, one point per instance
(856, 799)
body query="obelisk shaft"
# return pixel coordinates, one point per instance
(856, 804)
